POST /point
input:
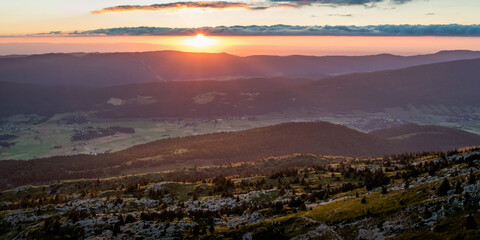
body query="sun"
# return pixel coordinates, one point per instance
(200, 41)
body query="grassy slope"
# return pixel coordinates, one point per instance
(344, 210)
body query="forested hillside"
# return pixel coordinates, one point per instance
(228, 147)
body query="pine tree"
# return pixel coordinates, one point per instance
(120, 219)
(471, 178)
(471, 223)
(303, 207)
(196, 230)
(56, 226)
(194, 197)
(116, 229)
(443, 188)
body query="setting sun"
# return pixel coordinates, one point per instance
(200, 41)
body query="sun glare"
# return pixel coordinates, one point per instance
(200, 41)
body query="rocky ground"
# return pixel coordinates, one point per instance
(424, 196)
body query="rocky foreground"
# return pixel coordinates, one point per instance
(424, 195)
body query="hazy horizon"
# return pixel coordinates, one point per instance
(243, 45)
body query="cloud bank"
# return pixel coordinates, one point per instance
(290, 30)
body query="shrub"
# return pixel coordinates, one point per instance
(130, 219)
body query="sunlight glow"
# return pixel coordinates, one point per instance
(241, 45)
(200, 41)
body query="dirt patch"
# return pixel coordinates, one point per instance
(207, 97)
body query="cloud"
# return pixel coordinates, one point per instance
(198, 5)
(341, 2)
(340, 15)
(258, 5)
(290, 30)
(401, 1)
(332, 2)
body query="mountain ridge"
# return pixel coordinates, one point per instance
(110, 69)
(425, 85)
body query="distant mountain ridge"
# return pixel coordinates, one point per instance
(110, 69)
(180, 99)
(455, 83)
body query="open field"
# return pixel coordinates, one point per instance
(52, 138)
(38, 137)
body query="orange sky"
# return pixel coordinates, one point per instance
(20, 17)
(251, 45)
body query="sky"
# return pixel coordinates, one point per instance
(242, 27)
(21, 17)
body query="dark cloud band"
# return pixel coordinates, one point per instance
(289, 30)
(267, 4)
(200, 4)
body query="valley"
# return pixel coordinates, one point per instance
(52, 137)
